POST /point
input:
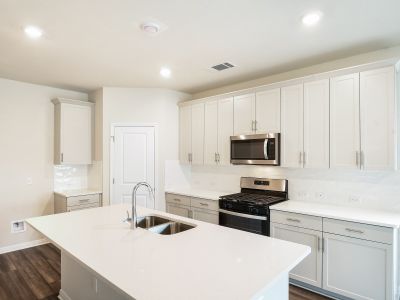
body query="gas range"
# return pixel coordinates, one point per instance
(249, 209)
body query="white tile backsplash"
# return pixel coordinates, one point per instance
(350, 188)
(70, 177)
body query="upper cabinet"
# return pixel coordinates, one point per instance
(377, 104)
(73, 132)
(316, 124)
(292, 126)
(268, 111)
(244, 113)
(197, 157)
(185, 134)
(218, 130)
(326, 121)
(258, 113)
(345, 122)
(362, 114)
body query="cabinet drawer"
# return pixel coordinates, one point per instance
(204, 203)
(178, 199)
(359, 230)
(83, 200)
(80, 207)
(299, 220)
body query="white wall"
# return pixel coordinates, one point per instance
(26, 151)
(350, 188)
(141, 106)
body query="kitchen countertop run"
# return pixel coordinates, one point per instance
(207, 262)
(346, 213)
(80, 192)
(198, 193)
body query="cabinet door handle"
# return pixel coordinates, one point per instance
(252, 125)
(300, 157)
(361, 159)
(203, 204)
(293, 220)
(318, 244)
(84, 200)
(255, 125)
(323, 245)
(354, 230)
(177, 200)
(62, 157)
(218, 157)
(304, 158)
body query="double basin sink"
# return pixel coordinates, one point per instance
(162, 225)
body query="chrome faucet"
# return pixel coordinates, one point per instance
(134, 214)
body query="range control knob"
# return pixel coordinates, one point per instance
(254, 210)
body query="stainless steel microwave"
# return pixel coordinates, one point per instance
(256, 149)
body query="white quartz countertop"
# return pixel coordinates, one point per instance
(81, 192)
(207, 262)
(346, 213)
(198, 193)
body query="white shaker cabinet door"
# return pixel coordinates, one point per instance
(76, 134)
(310, 269)
(225, 130)
(197, 134)
(268, 111)
(205, 215)
(356, 268)
(345, 122)
(244, 114)
(316, 124)
(179, 210)
(377, 104)
(185, 133)
(211, 133)
(292, 126)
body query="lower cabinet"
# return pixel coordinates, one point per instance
(196, 208)
(356, 268)
(205, 215)
(180, 210)
(310, 269)
(348, 259)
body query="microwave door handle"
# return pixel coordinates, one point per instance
(266, 141)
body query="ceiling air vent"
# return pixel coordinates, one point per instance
(223, 66)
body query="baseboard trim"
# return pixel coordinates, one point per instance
(21, 246)
(63, 295)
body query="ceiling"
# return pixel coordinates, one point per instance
(92, 43)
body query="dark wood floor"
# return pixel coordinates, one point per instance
(34, 273)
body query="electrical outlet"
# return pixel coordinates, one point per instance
(18, 226)
(319, 195)
(354, 199)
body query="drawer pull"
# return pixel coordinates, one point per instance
(293, 220)
(354, 230)
(203, 204)
(84, 200)
(177, 200)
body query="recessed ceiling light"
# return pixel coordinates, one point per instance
(150, 27)
(33, 32)
(165, 72)
(312, 18)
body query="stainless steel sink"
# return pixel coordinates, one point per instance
(151, 221)
(162, 225)
(171, 228)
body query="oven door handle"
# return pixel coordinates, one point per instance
(242, 215)
(266, 141)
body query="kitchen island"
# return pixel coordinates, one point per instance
(103, 258)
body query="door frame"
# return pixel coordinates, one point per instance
(112, 155)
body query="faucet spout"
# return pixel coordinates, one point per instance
(134, 191)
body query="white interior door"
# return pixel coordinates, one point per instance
(134, 155)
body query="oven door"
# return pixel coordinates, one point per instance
(256, 149)
(245, 222)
